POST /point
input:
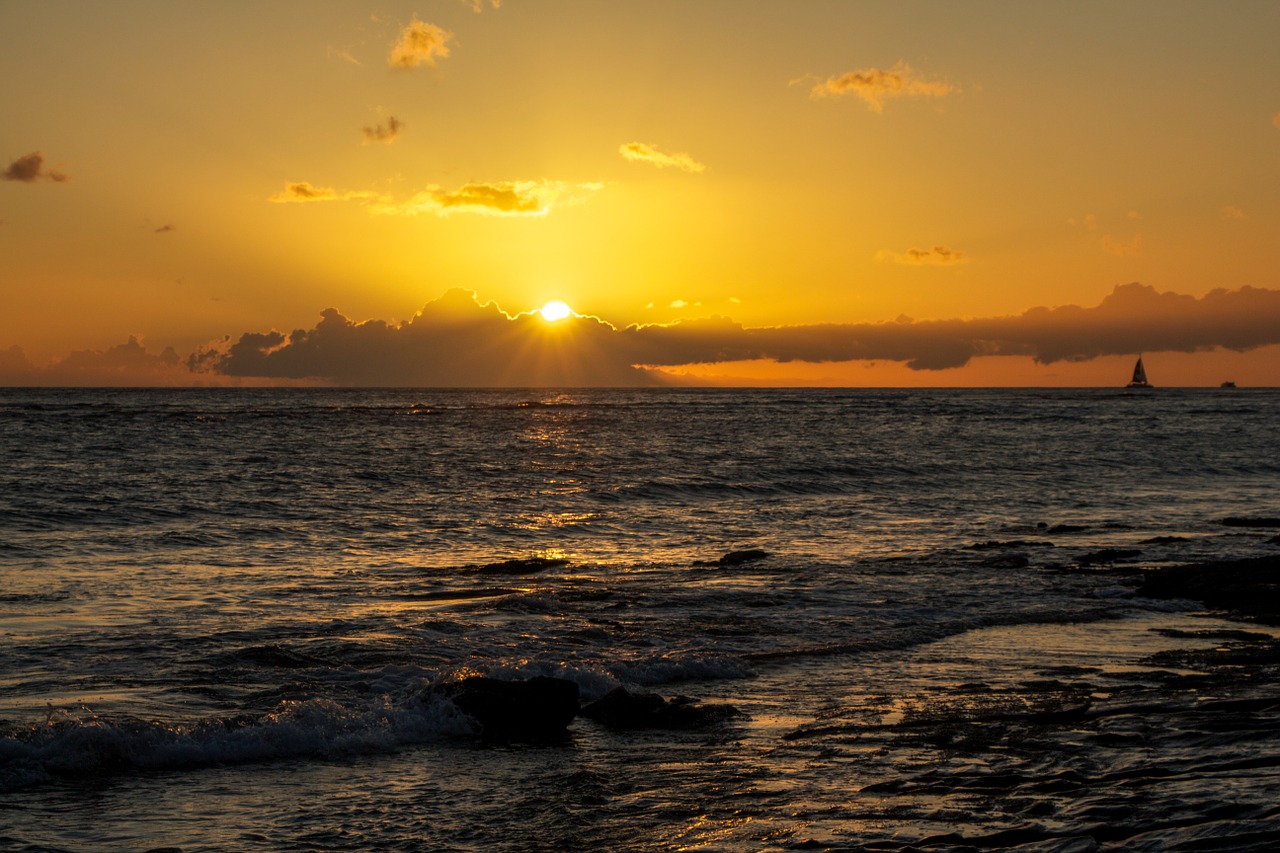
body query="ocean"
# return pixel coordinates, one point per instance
(916, 616)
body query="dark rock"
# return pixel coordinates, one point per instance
(735, 558)
(1108, 555)
(1249, 587)
(1239, 521)
(526, 566)
(539, 709)
(1007, 561)
(620, 709)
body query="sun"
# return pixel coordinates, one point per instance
(555, 310)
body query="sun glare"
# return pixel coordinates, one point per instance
(555, 310)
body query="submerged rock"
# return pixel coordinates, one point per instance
(539, 709)
(1239, 521)
(1108, 555)
(735, 558)
(526, 566)
(621, 709)
(1249, 587)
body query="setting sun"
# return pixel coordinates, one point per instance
(555, 310)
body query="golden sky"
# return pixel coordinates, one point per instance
(769, 192)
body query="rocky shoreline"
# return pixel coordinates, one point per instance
(1245, 588)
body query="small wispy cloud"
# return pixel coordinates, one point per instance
(1122, 248)
(165, 229)
(419, 44)
(385, 133)
(345, 55)
(876, 85)
(30, 168)
(501, 198)
(938, 255)
(1232, 213)
(301, 191)
(639, 152)
(477, 6)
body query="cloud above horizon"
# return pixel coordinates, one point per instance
(639, 152)
(937, 256)
(457, 341)
(420, 43)
(30, 168)
(500, 198)
(876, 85)
(383, 133)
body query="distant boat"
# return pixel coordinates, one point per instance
(1227, 384)
(1139, 376)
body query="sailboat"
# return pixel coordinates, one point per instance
(1139, 376)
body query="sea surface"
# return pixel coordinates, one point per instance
(223, 614)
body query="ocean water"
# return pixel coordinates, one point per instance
(222, 613)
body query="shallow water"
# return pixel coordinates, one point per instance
(221, 610)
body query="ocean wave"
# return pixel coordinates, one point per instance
(76, 742)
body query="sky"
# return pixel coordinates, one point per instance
(780, 192)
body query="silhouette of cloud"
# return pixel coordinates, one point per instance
(30, 168)
(875, 85)
(124, 364)
(453, 342)
(456, 341)
(938, 255)
(419, 44)
(639, 152)
(383, 133)
(165, 229)
(502, 198)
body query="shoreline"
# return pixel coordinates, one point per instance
(1246, 589)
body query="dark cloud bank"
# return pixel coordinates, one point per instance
(455, 341)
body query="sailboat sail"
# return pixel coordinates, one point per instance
(1139, 376)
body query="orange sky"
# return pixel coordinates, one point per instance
(918, 190)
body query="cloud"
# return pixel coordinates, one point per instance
(165, 229)
(127, 364)
(301, 191)
(875, 85)
(456, 341)
(419, 44)
(345, 55)
(477, 6)
(1233, 213)
(30, 168)
(938, 255)
(453, 342)
(502, 198)
(639, 152)
(1122, 248)
(383, 133)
